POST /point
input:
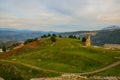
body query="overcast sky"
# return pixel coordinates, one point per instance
(59, 15)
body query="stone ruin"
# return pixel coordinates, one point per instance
(88, 40)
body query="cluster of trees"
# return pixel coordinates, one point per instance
(30, 40)
(50, 35)
(72, 36)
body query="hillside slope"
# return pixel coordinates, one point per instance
(106, 37)
(64, 56)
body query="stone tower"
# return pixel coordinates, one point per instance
(88, 41)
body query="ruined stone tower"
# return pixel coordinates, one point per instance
(88, 41)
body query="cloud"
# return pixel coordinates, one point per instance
(63, 15)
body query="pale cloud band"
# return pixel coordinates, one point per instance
(59, 15)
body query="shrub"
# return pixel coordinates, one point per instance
(44, 36)
(60, 36)
(53, 39)
(10, 72)
(49, 35)
(83, 39)
(4, 49)
(54, 35)
(30, 40)
(71, 36)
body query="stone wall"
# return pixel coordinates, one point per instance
(112, 46)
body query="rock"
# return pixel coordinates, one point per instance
(1, 78)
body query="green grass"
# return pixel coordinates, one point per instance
(25, 72)
(65, 55)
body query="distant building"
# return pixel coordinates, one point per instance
(112, 46)
(88, 41)
(1, 50)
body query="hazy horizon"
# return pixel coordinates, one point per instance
(59, 16)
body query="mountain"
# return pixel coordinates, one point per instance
(111, 27)
(79, 34)
(106, 37)
(13, 35)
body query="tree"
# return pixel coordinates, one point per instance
(83, 39)
(30, 40)
(53, 39)
(60, 36)
(44, 36)
(71, 36)
(54, 35)
(49, 35)
(4, 49)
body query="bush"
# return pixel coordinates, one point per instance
(30, 40)
(10, 72)
(60, 36)
(83, 39)
(54, 35)
(44, 36)
(4, 49)
(53, 39)
(71, 36)
(49, 35)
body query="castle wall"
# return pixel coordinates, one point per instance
(112, 46)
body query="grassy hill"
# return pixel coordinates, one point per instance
(44, 58)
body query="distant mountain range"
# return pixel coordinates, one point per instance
(107, 35)
(111, 27)
(110, 34)
(8, 35)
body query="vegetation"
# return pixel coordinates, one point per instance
(71, 36)
(44, 36)
(115, 71)
(60, 36)
(54, 35)
(30, 40)
(10, 72)
(4, 49)
(83, 39)
(53, 39)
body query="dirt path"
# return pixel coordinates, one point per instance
(102, 69)
(65, 75)
(30, 66)
(95, 71)
(86, 73)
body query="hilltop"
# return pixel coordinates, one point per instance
(43, 58)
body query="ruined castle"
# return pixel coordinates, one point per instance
(88, 41)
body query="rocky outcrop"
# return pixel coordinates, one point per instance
(1, 78)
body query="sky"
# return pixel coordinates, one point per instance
(59, 15)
